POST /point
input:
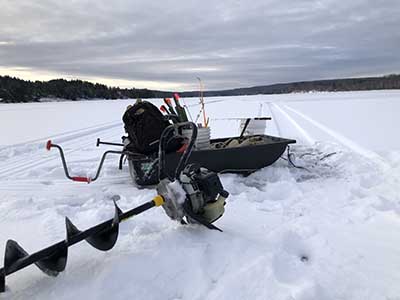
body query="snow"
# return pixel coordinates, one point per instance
(328, 231)
(176, 191)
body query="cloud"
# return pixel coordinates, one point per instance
(227, 43)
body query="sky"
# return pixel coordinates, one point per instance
(166, 44)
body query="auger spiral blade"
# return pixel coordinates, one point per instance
(71, 229)
(13, 255)
(52, 263)
(53, 259)
(106, 239)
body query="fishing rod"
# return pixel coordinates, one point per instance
(205, 120)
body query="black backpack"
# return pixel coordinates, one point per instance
(144, 124)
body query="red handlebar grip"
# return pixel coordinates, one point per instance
(81, 179)
(48, 145)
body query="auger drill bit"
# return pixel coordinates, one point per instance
(53, 259)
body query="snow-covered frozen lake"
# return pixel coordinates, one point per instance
(342, 213)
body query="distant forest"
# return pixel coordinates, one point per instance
(13, 90)
(387, 82)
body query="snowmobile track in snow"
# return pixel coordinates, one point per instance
(337, 136)
(76, 140)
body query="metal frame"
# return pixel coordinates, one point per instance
(50, 145)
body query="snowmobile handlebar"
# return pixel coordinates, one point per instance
(50, 145)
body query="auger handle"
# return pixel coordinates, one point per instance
(186, 152)
(81, 179)
(100, 142)
(50, 145)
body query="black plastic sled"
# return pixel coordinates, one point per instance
(242, 159)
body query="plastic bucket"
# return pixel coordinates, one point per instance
(203, 137)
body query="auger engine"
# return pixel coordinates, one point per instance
(197, 196)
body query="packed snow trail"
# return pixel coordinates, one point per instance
(327, 233)
(73, 142)
(339, 137)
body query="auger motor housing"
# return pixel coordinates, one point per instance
(196, 197)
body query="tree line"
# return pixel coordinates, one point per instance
(14, 90)
(387, 82)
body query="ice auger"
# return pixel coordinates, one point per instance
(194, 195)
(53, 259)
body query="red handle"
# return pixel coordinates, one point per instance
(81, 179)
(48, 145)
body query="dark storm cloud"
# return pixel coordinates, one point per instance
(227, 43)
